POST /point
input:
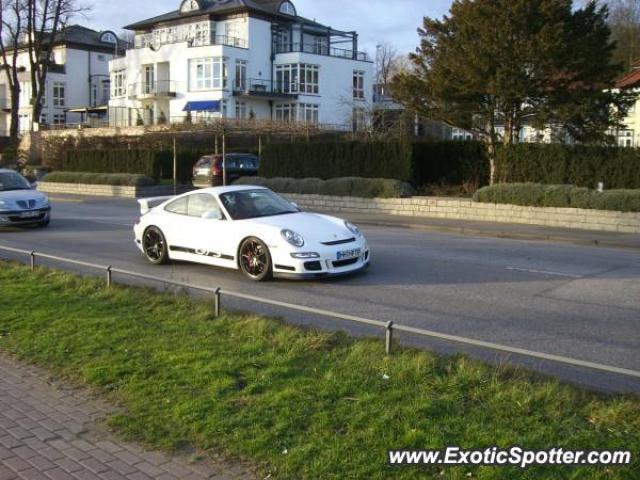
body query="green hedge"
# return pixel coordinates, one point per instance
(559, 196)
(341, 187)
(91, 178)
(156, 164)
(585, 166)
(421, 163)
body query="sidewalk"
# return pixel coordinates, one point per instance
(50, 431)
(515, 231)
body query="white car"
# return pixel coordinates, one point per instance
(20, 204)
(252, 229)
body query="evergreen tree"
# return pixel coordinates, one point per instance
(507, 63)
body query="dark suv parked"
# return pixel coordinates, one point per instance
(207, 172)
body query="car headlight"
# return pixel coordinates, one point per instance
(292, 238)
(44, 202)
(4, 205)
(353, 229)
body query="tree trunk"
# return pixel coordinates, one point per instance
(491, 154)
(14, 127)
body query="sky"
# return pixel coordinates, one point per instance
(376, 21)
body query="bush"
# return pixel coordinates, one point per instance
(156, 164)
(559, 196)
(421, 163)
(117, 179)
(582, 165)
(341, 187)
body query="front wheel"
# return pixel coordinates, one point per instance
(255, 260)
(154, 246)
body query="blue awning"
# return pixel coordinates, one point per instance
(202, 106)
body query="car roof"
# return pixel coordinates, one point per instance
(230, 188)
(7, 170)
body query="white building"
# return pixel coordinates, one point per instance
(77, 82)
(240, 59)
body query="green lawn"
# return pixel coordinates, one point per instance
(255, 388)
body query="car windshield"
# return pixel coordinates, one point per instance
(255, 203)
(13, 181)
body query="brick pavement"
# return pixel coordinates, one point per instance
(52, 431)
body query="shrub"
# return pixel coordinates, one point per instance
(421, 163)
(156, 164)
(341, 187)
(559, 196)
(582, 165)
(117, 179)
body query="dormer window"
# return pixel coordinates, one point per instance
(109, 37)
(287, 8)
(189, 6)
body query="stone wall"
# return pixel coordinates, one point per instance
(109, 190)
(463, 209)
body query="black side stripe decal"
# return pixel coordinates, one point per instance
(202, 253)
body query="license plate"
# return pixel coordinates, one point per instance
(347, 254)
(202, 171)
(29, 214)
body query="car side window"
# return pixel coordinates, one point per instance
(178, 206)
(201, 203)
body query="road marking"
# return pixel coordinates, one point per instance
(544, 272)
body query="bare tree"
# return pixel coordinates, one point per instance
(386, 57)
(46, 21)
(624, 21)
(11, 32)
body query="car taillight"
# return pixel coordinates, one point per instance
(216, 169)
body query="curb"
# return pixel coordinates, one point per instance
(500, 234)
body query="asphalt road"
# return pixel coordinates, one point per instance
(577, 301)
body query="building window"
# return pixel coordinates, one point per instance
(58, 94)
(58, 118)
(287, 8)
(298, 78)
(207, 73)
(101, 58)
(308, 113)
(118, 83)
(359, 119)
(358, 84)
(285, 112)
(241, 75)
(241, 109)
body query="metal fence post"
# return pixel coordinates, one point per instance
(216, 306)
(109, 276)
(33, 260)
(388, 337)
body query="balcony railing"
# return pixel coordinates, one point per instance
(262, 87)
(159, 89)
(154, 42)
(319, 49)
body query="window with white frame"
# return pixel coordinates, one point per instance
(207, 73)
(298, 78)
(308, 113)
(58, 94)
(118, 82)
(58, 118)
(285, 112)
(358, 84)
(241, 75)
(359, 119)
(241, 109)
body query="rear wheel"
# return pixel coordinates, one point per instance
(154, 246)
(255, 260)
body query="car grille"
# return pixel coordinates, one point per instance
(340, 242)
(345, 263)
(26, 203)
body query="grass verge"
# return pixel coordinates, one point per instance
(298, 403)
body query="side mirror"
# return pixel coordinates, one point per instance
(34, 185)
(212, 215)
(295, 205)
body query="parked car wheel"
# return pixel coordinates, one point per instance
(255, 260)
(155, 246)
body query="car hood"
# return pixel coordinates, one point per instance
(15, 195)
(314, 227)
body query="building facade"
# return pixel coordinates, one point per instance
(77, 86)
(240, 59)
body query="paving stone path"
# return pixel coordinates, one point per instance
(51, 431)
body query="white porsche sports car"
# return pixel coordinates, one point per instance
(249, 228)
